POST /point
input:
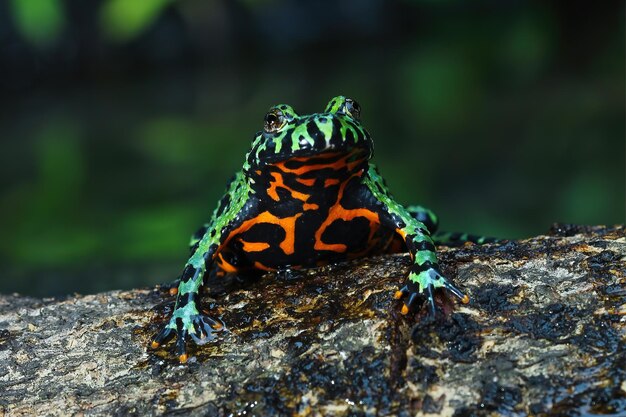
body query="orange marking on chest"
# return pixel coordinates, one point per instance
(308, 182)
(254, 246)
(330, 182)
(279, 181)
(224, 265)
(288, 224)
(338, 212)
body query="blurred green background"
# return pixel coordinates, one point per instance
(121, 120)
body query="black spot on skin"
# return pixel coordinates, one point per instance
(181, 302)
(189, 297)
(194, 248)
(349, 136)
(424, 267)
(315, 133)
(322, 119)
(187, 273)
(224, 202)
(428, 246)
(336, 139)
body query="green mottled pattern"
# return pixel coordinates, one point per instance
(335, 104)
(295, 129)
(190, 286)
(425, 256)
(186, 314)
(239, 191)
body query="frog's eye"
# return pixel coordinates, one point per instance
(352, 108)
(274, 120)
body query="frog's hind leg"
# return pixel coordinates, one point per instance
(425, 216)
(430, 220)
(459, 239)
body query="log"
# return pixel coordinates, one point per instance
(544, 334)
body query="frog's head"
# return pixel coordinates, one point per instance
(288, 135)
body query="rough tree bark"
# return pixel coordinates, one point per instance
(544, 334)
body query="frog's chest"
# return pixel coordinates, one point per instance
(308, 215)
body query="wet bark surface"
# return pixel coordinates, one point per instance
(544, 334)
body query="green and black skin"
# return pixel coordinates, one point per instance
(307, 196)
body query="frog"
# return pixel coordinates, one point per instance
(307, 195)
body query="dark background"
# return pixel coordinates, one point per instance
(120, 121)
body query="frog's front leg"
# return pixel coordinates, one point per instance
(425, 275)
(187, 321)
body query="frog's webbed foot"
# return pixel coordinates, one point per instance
(420, 286)
(199, 327)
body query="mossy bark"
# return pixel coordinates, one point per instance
(544, 334)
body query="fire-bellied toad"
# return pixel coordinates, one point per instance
(307, 195)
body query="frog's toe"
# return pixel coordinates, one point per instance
(206, 329)
(414, 297)
(410, 292)
(164, 336)
(199, 328)
(431, 299)
(421, 287)
(402, 292)
(457, 293)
